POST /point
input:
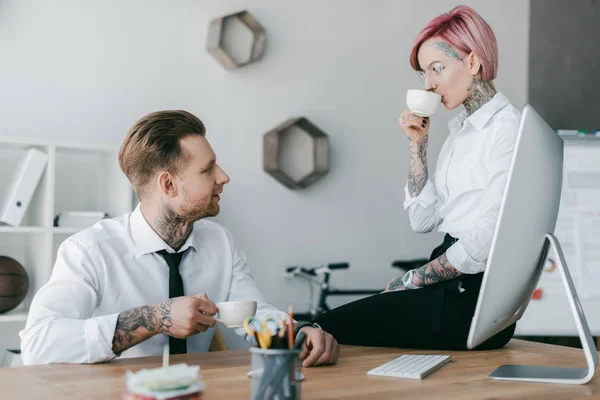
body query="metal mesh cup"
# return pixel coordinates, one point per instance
(275, 374)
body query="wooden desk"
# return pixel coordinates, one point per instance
(466, 377)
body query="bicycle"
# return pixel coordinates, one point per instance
(320, 275)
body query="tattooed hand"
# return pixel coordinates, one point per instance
(179, 317)
(395, 285)
(185, 316)
(415, 127)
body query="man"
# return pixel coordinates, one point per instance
(128, 285)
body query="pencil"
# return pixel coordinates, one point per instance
(291, 328)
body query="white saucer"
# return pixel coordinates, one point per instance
(233, 326)
(258, 374)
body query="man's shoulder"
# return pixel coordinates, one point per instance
(209, 231)
(205, 224)
(105, 230)
(207, 227)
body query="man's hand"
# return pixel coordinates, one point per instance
(319, 347)
(179, 317)
(395, 285)
(185, 316)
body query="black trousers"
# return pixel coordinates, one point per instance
(434, 317)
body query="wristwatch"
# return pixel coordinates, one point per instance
(407, 280)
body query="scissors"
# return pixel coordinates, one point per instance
(262, 332)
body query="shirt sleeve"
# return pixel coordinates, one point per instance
(58, 332)
(423, 210)
(469, 254)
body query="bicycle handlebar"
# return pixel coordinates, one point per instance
(307, 271)
(339, 266)
(401, 264)
(313, 271)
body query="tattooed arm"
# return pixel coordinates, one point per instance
(420, 198)
(179, 317)
(435, 271)
(135, 326)
(420, 195)
(438, 270)
(417, 169)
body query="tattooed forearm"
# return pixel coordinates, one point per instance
(436, 271)
(417, 168)
(447, 49)
(134, 326)
(172, 227)
(480, 92)
(164, 310)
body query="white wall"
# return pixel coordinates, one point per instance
(85, 71)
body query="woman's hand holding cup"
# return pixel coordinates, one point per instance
(415, 127)
(414, 121)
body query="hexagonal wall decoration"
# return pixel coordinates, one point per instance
(236, 40)
(296, 153)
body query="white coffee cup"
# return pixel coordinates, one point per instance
(422, 102)
(233, 313)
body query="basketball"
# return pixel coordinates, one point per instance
(14, 283)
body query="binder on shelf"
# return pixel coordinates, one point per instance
(25, 181)
(78, 219)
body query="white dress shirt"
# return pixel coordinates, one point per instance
(112, 267)
(463, 196)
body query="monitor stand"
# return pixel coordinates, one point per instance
(572, 376)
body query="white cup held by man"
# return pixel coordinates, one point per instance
(422, 102)
(233, 313)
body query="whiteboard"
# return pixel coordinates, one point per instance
(578, 230)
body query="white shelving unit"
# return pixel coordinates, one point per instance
(581, 137)
(78, 177)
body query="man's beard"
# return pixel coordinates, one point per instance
(204, 210)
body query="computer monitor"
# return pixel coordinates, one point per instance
(522, 240)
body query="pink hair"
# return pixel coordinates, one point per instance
(464, 30)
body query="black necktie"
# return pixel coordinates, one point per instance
(176, 346)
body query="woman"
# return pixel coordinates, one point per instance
(431, 307)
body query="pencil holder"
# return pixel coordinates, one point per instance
(275, 374)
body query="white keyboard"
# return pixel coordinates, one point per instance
(410, 366)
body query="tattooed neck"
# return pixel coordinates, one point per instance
(172, 227)
(480, 92)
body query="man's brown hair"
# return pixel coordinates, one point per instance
(152, 144)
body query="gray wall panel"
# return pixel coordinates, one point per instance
(564, 62)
